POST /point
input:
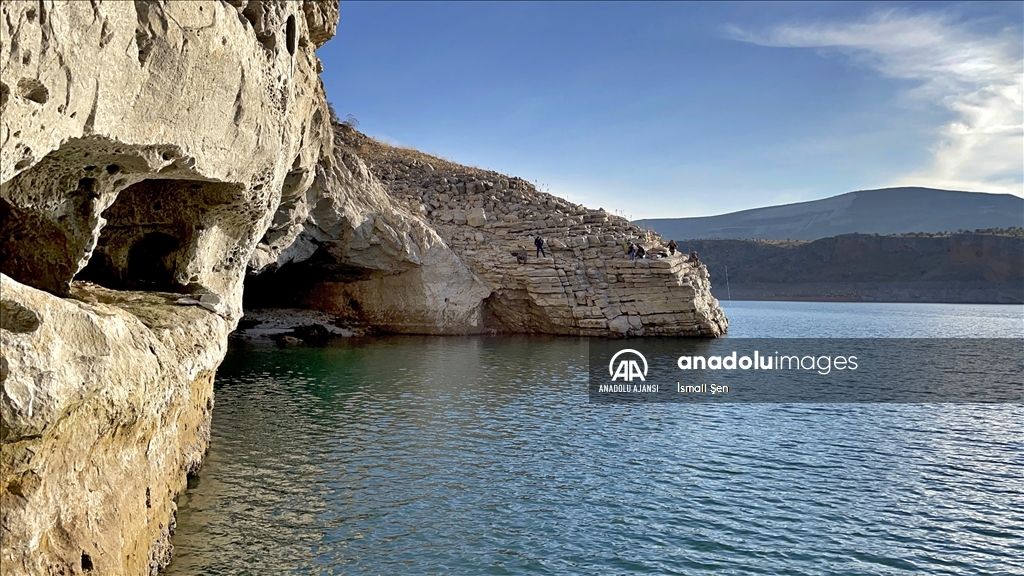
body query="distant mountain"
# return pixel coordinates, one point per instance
(884, 211)
(965, 267)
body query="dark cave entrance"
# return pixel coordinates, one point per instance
(149, 260)
(300, 285)
(152, 234)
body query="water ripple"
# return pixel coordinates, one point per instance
(482, 456)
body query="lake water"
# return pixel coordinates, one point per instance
(481, 455)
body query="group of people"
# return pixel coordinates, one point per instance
(634, 250)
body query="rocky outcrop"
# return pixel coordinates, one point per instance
(107, 398)
(144, 146)
(371, 259)
(152, 140)
(482, 275)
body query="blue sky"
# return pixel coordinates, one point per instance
(692, 109)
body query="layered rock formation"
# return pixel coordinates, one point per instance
(586, 285)
(144, 146)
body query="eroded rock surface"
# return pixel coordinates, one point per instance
(174, 125)
(144, 146)
(107, 399)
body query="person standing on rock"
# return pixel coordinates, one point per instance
(539, 243)
(632, 251)
(672, 247)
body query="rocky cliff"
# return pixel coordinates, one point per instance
(458, 245)
(157, 158)
(145, 147)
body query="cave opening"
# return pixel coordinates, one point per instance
(152, 233)
(304, 284)
(150, 260)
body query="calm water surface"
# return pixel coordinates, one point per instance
(411, 455)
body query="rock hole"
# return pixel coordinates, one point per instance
(251, 13)
(168, 155)
(149, 501)
(113, 169)
(144, 43)
(87, 186)
(30, 14)
(34, 90)
(289, 34)
(157, 206)
(5, 93)
(150, 262)
(86, 562)
(89, 168)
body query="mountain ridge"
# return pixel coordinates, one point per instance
(879, 211)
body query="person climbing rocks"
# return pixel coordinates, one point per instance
(672, 247)
(632, 251)
(539, 243)
(640, 252)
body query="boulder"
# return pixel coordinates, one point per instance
(476, 217)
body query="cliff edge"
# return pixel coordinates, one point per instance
(144, 149)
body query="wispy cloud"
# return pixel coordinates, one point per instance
(976, 75)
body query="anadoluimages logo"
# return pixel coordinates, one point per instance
(627, 368)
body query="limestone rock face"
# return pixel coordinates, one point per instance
(146, 147)
(373, 259)
(152, 140)
(106, 406)
(154, 156)
(452, 252)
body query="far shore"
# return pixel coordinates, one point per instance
(902, 293)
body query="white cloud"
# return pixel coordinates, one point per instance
(977, 76)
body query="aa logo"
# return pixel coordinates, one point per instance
(627, 368)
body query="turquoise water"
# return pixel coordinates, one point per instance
(410, 455)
